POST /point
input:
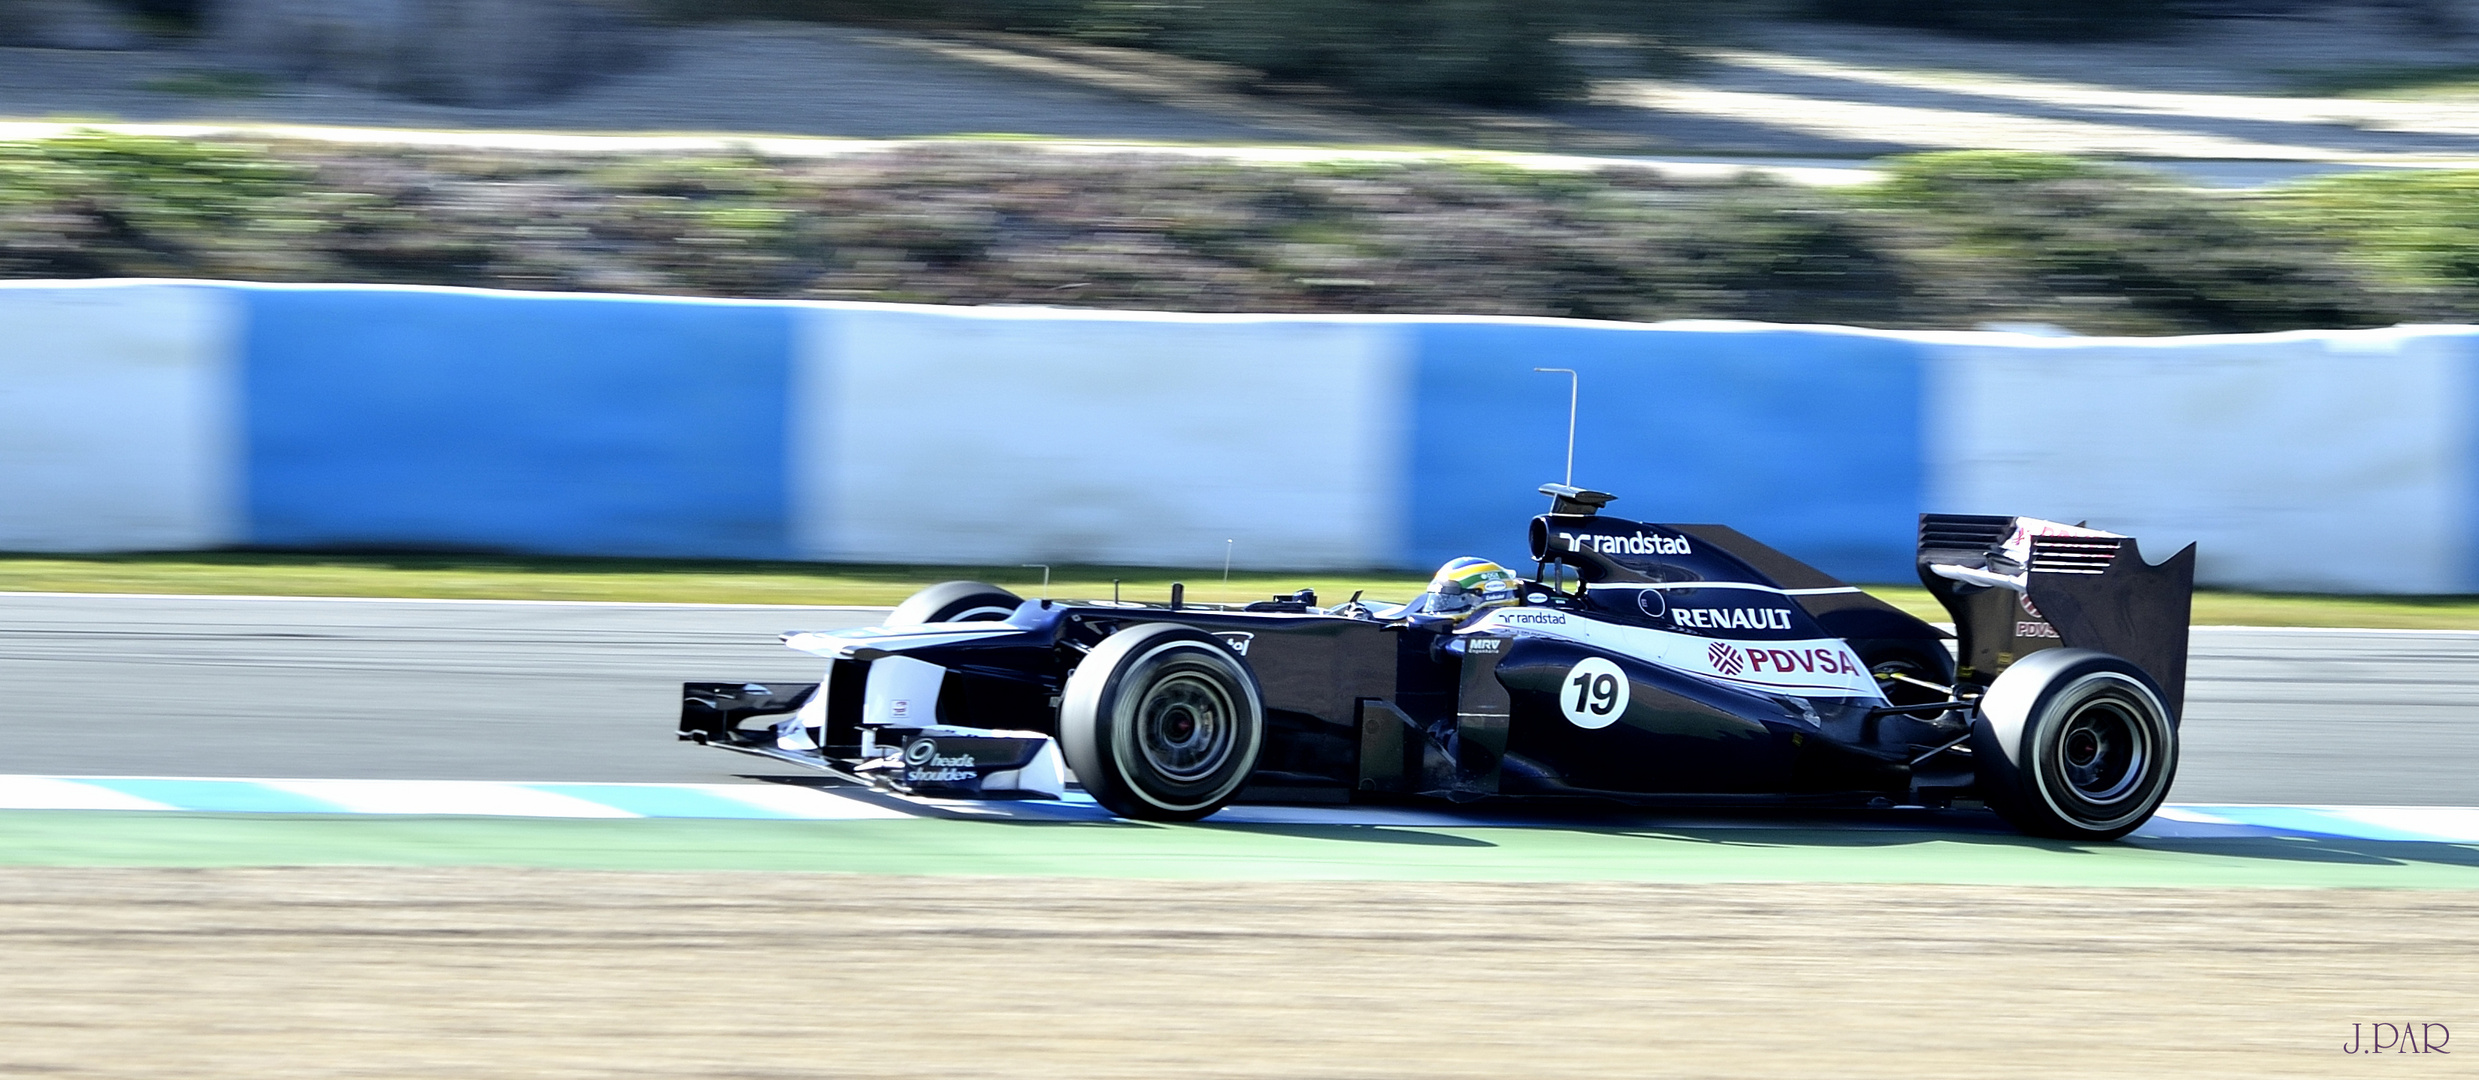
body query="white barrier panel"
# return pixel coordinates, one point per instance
(2328, 461)
(119, 426)
(1032, 435)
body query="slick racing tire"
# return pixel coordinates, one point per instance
(1162, 723)
(955, 601)
(2074, 744)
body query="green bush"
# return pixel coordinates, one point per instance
(2417, 228)
(181, 182)
(95, 204)
(1949, 240)
(2097, 246)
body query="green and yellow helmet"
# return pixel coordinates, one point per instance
(1469, 584)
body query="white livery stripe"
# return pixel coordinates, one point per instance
(839, 644)
(1818, 667)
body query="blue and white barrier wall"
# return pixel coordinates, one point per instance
(172, 415)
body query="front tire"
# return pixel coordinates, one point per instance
(1162, 722)
(2074, 744)
(955, 601)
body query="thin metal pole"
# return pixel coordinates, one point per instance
(1573, 380)
(1045, 577)
(1226, 568)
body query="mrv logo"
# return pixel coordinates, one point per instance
(1742, 618)
(1637, 544)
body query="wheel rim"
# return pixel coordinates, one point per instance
(2103, 751)
(1185, 728)
(1902, 693)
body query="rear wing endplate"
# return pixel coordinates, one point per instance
(2018, 585)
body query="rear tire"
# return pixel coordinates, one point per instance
(1926, 662)
(955, 601)
(2074, 744)
(1161, 722)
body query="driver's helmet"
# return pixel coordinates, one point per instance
(1466, 587)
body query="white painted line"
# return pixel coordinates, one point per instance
(1822, 171)
(2449, 824)
(473, 797)
(477, 798)
(682, 605)
(47, 793)
(2367, 631)
(1345, 815)
(803, 802)
(2197, 817)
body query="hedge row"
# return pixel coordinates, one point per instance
(1952, 240)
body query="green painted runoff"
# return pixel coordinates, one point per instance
(1758, 853)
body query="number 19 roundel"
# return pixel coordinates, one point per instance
(1594, 694)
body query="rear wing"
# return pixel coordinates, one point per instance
(2017, 585)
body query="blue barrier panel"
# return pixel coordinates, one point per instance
(433, 418)
(1808, 440)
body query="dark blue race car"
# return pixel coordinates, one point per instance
(1637, 662)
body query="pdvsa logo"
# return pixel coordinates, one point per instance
(1824, 661)
(1726, 658)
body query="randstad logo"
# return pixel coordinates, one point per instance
(1637, 544)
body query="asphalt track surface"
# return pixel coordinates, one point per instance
(483, 690)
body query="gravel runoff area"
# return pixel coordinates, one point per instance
(2229, 90)
(268, 974)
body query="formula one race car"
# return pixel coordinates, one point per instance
(1640, 663)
